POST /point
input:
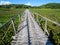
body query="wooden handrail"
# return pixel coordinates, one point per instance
(48, 19)
(8, 21)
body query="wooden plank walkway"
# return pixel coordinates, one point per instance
(30, 32)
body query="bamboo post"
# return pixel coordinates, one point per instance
(19, 17)
(37, 18)
(13, 26)
(46, 27)
(33, 15)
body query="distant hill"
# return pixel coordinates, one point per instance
(51, 5)
(14, 6)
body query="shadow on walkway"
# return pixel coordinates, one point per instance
(21, 28)
(50, 41)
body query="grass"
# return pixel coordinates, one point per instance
(5, 15)
(53, 14)
(53, 29)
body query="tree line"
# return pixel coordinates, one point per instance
(15, 6)
(49, 5)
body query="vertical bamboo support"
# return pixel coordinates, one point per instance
(13, 26)
(46, 27)
(33, 15)
(19, 17)
(37, 18)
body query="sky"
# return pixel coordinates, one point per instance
(28, 2)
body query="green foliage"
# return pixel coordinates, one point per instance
(53, 14)
(5, 15)
(15, 6)
(49, 6)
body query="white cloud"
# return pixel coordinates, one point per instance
(5, 2)
(28, 3)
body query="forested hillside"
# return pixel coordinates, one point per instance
(51, 5)
(14, 6)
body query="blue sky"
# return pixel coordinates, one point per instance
(29, 2)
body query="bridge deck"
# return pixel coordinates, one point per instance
(30, 33)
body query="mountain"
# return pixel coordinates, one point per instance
(51, 5)
(14, 6)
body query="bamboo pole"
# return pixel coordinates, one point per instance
(13, 26)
